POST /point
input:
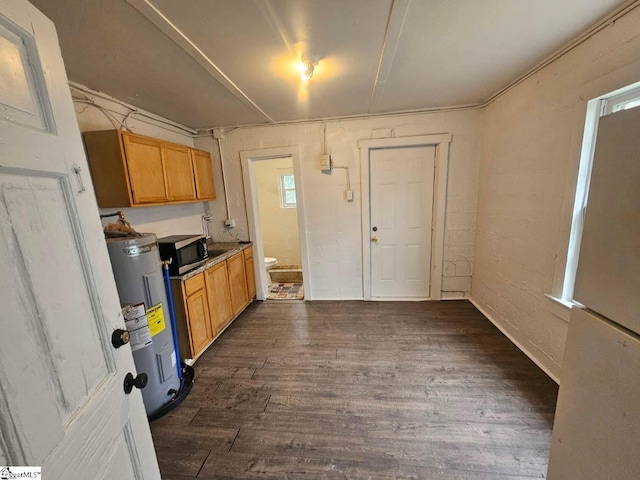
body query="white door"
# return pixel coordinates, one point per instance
(608, 278)
(62, 403)
(401, 189)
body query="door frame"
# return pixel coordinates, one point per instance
(441, 143)
(248, 159)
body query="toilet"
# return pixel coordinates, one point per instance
(269, 263)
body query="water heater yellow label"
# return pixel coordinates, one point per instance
(156, 319)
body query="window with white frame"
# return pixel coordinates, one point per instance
(287, 191)
(623, 99)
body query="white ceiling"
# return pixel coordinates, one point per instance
(208, 63)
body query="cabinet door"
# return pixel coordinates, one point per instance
(250, 272)
(199, 323)
(203, 170)
(145, 168)
(237, 282)
(219, 295)
(179, 172)
(251, 279)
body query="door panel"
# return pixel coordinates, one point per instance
(219, 296)
(62, 404)
(27, 259)
(146, 169)
(251, 279)
(205, 186)
(199, 323)
(23, 99)
(237, 282)
(179, 172)
(415, 193)
(116, 468)
(388, 260)
(388, 206)
(401, 188)
(413, 261)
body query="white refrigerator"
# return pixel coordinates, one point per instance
(596, 434)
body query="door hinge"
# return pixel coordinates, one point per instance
(78, 169)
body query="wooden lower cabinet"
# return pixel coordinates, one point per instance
(219, 296)
(238, 283)
(206, 303)
(250, 272)
(198, 315)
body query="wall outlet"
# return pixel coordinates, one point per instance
(349, 195)
(230, 223)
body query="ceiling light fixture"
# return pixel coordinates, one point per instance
(306, 69)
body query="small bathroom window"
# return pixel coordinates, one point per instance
(287, 191)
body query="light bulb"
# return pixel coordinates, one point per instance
(306, 69)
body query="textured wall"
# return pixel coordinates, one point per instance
(333, 224)
(161, 220)
(279, 225)
(531, 140)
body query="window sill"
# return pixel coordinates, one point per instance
(559, 307)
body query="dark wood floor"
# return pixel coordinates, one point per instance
(361, 390)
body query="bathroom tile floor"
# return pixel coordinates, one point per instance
(286, 291)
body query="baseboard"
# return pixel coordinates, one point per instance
(444, 299)
(524, 350)
(331, 299)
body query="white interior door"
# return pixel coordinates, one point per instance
(62, 403)
(401, 190)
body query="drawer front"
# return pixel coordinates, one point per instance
(248, 253)
(194, 284)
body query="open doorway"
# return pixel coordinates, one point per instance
(273, 194)
(277, 206)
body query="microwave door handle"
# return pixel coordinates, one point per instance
(200, 250)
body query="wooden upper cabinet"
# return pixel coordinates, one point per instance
(145, 167)
(203, 169)
(179, 173)
(130, 170)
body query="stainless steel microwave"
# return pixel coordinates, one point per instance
(185, 252)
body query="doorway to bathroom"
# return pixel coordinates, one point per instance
(277, 205)
(275, 210)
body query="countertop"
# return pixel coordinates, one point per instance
(229, 248)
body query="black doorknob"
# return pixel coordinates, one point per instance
(139, 382)
(119, 337)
